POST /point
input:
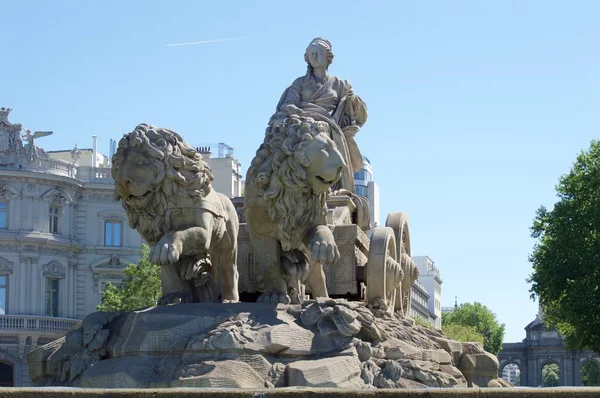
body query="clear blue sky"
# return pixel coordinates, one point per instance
(475, 108)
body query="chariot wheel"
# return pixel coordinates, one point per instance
(383, 270)
(399, 223)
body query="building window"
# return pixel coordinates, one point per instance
(3, 215)
(3, 294)
(363, 175)
(361, 190)
(112, 233)
(51, 297)
(53, 219)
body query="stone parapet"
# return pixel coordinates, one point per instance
(49, 326)
(54, 392)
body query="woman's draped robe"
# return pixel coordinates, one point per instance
(329, 103)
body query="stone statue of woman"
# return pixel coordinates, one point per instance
(324, 97)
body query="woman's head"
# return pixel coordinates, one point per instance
(318, 54)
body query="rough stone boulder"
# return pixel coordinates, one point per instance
(478, 367)
(323, 343)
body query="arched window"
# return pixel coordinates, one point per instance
(6, 375)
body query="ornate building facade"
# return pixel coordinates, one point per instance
(62, 237)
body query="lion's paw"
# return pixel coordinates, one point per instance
(296, 297)
(274, 297)
(175, 298)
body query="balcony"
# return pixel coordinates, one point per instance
(40, 325)
(101, 175)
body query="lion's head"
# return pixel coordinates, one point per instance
(154, 170)
(293, 171)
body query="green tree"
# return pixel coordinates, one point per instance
(462, 333)
(141, 287)
(590, 374)
(480, 318)
(421, 321)
(550, 375)
(566, 256)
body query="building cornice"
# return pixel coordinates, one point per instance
(38, 242)
(31, 176)
(121, 250)
(67, 182)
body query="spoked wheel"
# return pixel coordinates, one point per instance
(399, 223)
(384, 273)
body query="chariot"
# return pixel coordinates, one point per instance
(375, 264)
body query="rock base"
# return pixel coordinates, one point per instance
(323, 343)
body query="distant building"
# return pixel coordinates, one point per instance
(447, 310)
(543, 346)
(420, 298)
(511, 373)
(225, 168)
(366, 186)
(430, 278)
(62, 238)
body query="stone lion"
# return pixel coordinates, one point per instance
(165, 188)
(285, 206)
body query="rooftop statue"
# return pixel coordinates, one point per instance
(165, 188)
(33, 150)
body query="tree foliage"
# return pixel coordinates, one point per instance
(550, 375)
(421, 321)
(141, 287)
(482, 320)
(462, 333)
(566, 256)
(590, 374)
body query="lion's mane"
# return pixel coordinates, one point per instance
(278, 170)
(181, 173)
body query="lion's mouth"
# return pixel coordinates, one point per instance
(139, 198)
(324, 181)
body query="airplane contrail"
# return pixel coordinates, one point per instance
(214, 41)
